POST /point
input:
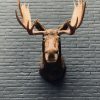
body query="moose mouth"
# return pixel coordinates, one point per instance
(51, 58)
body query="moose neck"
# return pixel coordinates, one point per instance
(55, 71)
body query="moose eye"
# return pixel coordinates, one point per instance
(56, 51)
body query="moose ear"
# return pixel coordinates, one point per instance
(64, 26)
(39, 26)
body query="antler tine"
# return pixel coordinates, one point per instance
(18, 19)
(19, 5)
(74, 3)
(26, 19)
(77, 18)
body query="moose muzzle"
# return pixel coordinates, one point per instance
(51, 48)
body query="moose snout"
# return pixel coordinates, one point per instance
(51, 56)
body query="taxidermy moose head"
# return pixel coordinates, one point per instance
(52, 67)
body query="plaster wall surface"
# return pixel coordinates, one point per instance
(20, 54)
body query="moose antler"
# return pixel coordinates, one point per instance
(26, 20)
(70, 26)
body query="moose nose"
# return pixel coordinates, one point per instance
(51, 57)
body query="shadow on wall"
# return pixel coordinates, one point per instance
(52, 90)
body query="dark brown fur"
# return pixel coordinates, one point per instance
(52, 72)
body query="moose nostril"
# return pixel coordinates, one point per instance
(51, 57)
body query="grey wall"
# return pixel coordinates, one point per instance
(20, 54)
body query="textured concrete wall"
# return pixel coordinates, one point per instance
(20, 53)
